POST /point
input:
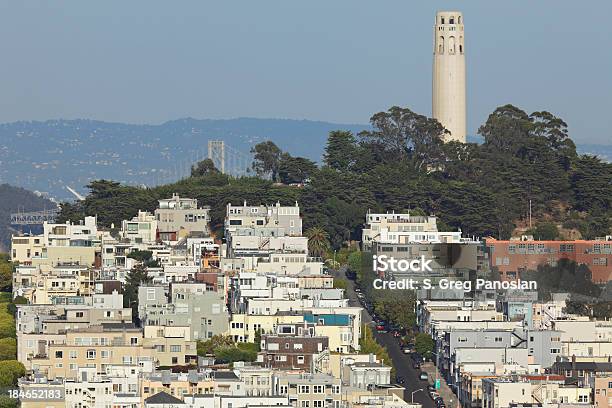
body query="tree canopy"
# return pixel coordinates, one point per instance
(401, 163)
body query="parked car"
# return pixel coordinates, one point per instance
(399, 379)
(423, 376)
(406, 350)
(433, 395)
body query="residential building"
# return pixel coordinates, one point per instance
(289, 350)
(392, 228)
(140, 229)
(189, 304)
(66, 243)
(280, 220)
(179, 217)
(512, 257)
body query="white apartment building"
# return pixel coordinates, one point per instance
(58, 244)
(140, 229)
(281, 220)
(392, 228)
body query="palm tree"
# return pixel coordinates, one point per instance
(318, 241)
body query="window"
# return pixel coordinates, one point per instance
(91, 354)
(300, 359)
(305, 404)
(317, 389)
(150, 293)
(317, 404)
(304, 389)
(134, 341)
(79, 314)
(175, 348)
(72, 354)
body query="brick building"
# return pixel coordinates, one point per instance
(292, 351)
(512, 257)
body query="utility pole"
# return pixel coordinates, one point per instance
(529, 213)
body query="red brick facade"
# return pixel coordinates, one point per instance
(513, 257)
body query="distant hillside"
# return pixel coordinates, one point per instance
(13, 199)
(47, 156)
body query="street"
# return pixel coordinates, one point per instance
(402, 362)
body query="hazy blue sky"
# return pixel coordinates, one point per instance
(340, 61)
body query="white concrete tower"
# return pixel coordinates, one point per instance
(448, 93)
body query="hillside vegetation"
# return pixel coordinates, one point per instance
(401, 164)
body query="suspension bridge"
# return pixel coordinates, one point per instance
(34, 217)
(226, 159)
(229, 160)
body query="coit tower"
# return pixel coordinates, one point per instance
(448, 93)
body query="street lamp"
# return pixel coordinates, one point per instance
(412, 395)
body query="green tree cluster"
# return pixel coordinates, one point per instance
(204, 168)
(396, 307)
(10, 368)
(565, 276)
(6, 272)
(10, 372)
(424, 345)
(401, 164)
(545, 231)
(226, 351)
(271, 162)
(144, 257)
(137, 276)
(369, 345)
